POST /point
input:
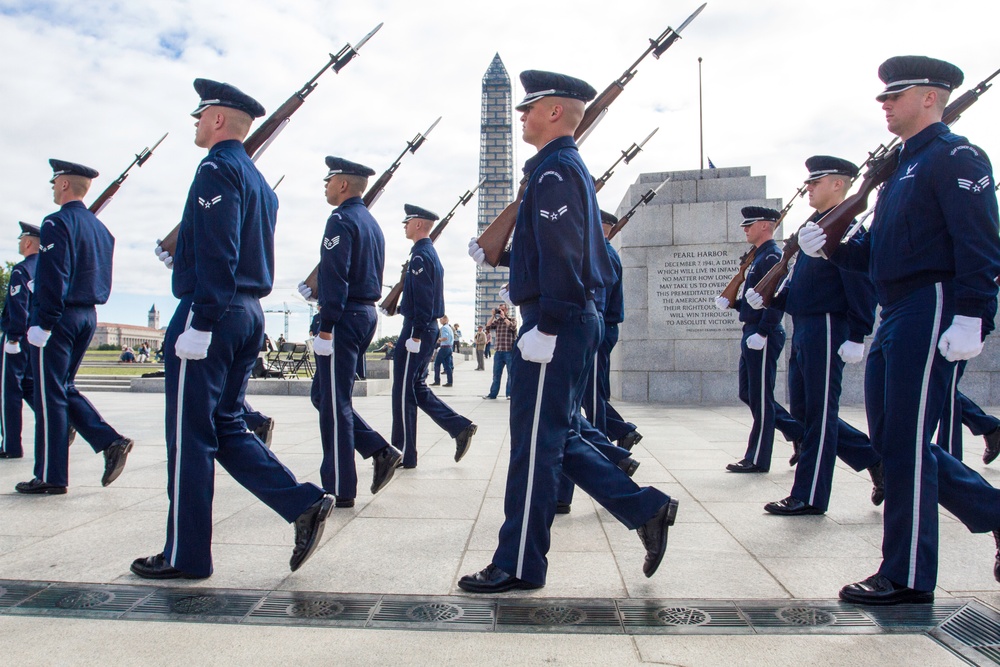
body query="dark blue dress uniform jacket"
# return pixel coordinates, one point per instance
(351, 261)
(613, 305)
(575, 260)
(817, 287)
(423, 287)
(766, 319)
(78, 278)
(232, 258)
(920, 234)
(14, 319)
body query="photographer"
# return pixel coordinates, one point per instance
(503, 328)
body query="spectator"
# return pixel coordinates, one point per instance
(480, 340)
(504, 329)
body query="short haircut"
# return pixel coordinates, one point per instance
(78, 185)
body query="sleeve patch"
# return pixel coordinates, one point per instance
(207, 163)
(553, 215)
(954, 151)
(46, 248)
(551, 173)
(975, 187)
(330, 244)
(209, 203)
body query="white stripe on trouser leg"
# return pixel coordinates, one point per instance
(532, 451)
(948, 434)
(179, 429)
(407, 387)
(593, 403)
(3, 397)
(826, 405)
(333, 406)
(763, 400)
(45, 413)
(918, 451)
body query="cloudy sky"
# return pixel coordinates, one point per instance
(95, 82)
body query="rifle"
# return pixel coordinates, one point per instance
(376, 189)
(645, 199)
(112, 190)
(269, 130)
(733, 288)
(627, 156)
(494, 238)
(881, 163)
(390, 304)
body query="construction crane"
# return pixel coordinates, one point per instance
(284, 309)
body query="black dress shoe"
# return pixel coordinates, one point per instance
(878, 483)
(70, 435)
(653, 535)
(492, 579)
(265, 432)
(344, 502)
(114, 459)
(744, 466)
(463, 440)
(630, 440)
(992, 446)
(563, 508)
(628, 465)
(435, 384)
(7, 455)
(447, 384)
(791, 507)
(385, 461)
(157, 567)
(879, 590)
(37, 487)
(308, 529)
(796, 452)
(490, 398)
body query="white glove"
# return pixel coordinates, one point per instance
(505, 295)
(811, 239)
(476, 253)
(306, 292)
(755, 300)
(323, 346)
(756, 342)
(384, 311)
(536, 346)
(38, 336)
(163, 255)
(962, 340)
(413, 345)
(722, 303)
(193, 344)
(12, 347)
(851, 352)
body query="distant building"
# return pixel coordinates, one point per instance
(496, 165)
(133, 335)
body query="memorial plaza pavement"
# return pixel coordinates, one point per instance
(737, 586)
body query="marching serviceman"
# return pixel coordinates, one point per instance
(557, 260)
(760, 347)
(933, 251)
(832, 311)
(72, 276)
(352, 256)
(223, 265)
(422, 305)
(15, 371)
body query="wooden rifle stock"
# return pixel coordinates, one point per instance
(768, 286)
(390, 304)
(733, 288)
(494, 241)
(838, 221)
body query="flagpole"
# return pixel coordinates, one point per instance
(701, 125)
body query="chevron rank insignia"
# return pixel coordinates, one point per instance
(553, 215)
(330, 244)
(975, 187)
(14, 290)
(209, 203)
(46, 248)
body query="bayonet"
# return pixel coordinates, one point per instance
(643, 200)
(627, 155)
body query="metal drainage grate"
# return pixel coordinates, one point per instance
(91, 602)
(13, 593)
(974, 632)
(558, 616)
(804, 616)
(910, 617)
(191, 605)
(665, 616)
(441, 613)
(314, 609)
